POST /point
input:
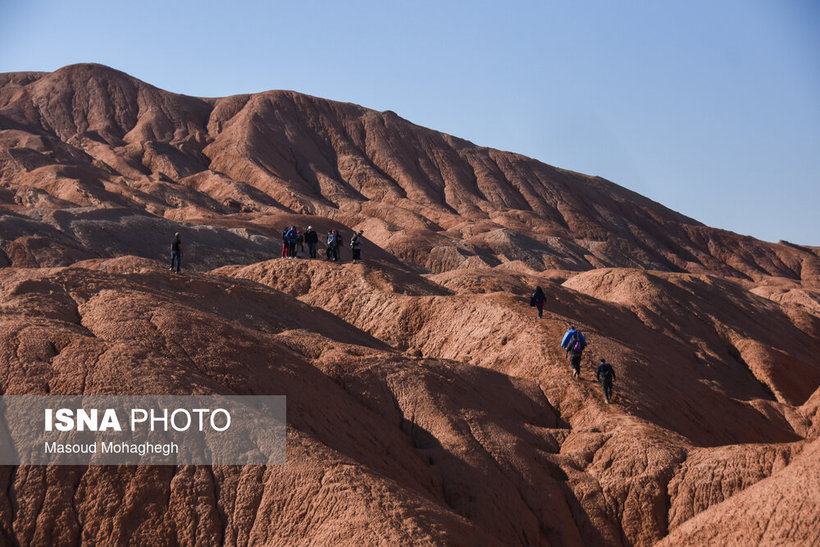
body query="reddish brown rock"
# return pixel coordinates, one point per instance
(781, 509)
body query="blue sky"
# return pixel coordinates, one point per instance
(711, 108)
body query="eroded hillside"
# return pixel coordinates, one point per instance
(426, 401)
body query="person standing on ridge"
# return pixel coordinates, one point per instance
(176, 253)
(291, 237)
(606, 375)
(285, 243)
(300, 244)
(538, 299)
(332, 246)
(356, 246)
(312, 239)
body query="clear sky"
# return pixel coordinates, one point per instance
(709, 107)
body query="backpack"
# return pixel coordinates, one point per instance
(575, 345)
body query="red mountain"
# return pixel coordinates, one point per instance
(426, 403)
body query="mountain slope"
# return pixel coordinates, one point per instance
(87, 135)
(427, 403)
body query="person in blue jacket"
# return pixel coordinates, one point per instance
(538, 299)
(568, 336)
(291, 236)
(575, 343)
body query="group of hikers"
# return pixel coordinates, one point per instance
(293, 245)
(574, 343)
(294, 241)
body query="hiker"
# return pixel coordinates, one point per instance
(291, 237)
(176, 253)
(575, 343)
(312, 239)
(340, 243)
(285, 243)
(576, 350)
(606, 375)
(300, 244)
(568, 338)
(538, 299)
(332, 246)
(356, 246)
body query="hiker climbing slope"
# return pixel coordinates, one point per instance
(574, 343)
(576, 351)
(538, 299)
(568, 336)
(606, 375)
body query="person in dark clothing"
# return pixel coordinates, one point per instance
(538, 299)
(285, 243)
(576, 350)
(340, 243)
(312, 239)
(606, 375)
(332, 246)
(356, 246)
(176, 253)
(291, 237)
(300, 244)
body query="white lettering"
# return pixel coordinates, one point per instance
(70, 448)
(201, 413)
(65, 419)
(110, 421)
(187, 415)
(227, 419)
(163, 420)
(142, 419)
(83, 420)
(86, 420)
(140, 449)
